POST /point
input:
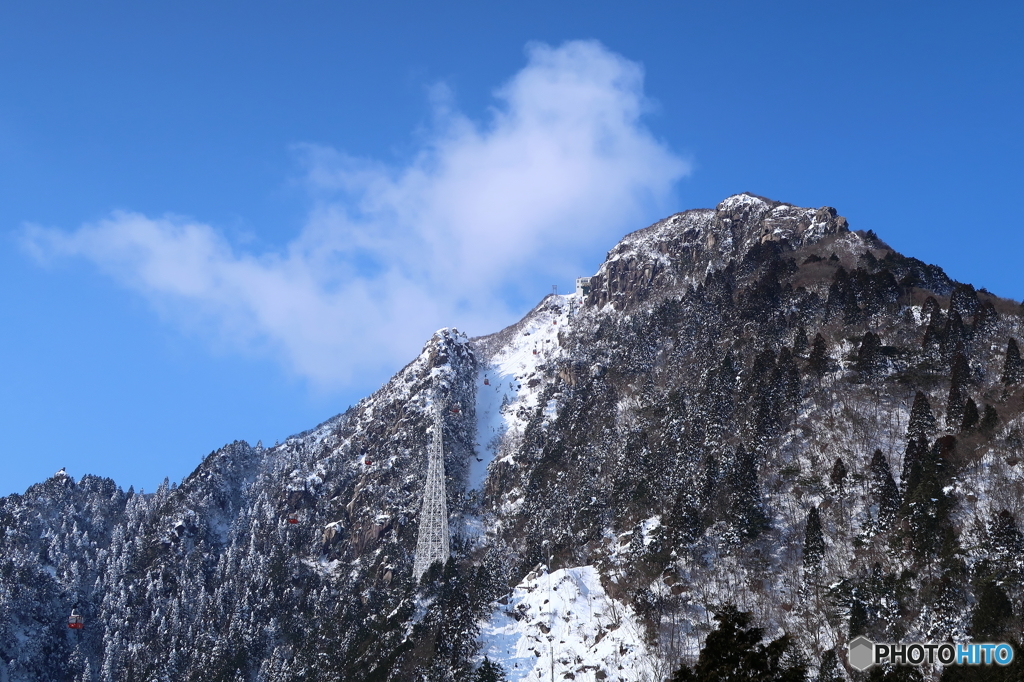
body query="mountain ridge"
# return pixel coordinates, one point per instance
(669, 436)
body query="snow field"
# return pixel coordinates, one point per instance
(509, 375)
(566, 624)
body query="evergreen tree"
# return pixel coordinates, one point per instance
(985, 317)
(814, 542)
(922, 421)
(787, 375)
(1004, 538)
(989, 419)
(685, 522)
(931, 344)
(858, 618)
(819, 360)
(955, 402)
(931, 310)
(917, 449)
(1004, 544)
(489, 671)
(956, 336)
(838, 475)
(829, 670)
(766, 384)
(992, 615)
(1013, 366)
(852, 312)
(800, 342)
(927, 504)
(964, 300)
(746, 509)
(971, 416)
(883, 489)
(838, 293)
(720, 401)
(734, 652)
(869, 355)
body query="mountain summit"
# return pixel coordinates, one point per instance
(756, 426)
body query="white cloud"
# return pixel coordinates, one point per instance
(563, 164)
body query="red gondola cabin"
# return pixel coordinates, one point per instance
(75, 621)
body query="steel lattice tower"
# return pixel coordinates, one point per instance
(432, 543)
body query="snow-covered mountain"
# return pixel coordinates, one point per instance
(753, 406)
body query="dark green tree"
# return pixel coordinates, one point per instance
(955, 402)
(839, 292)
(489, 671)
(931, 310)
(869, 355)
(746, 509)
(956, 336)
(735, 652)
(1004, 539)
(985, 317)
(838, 475)
(787, 376)
(814, 542)
(964, 300)
(989, 419)
(800, 342)
(883, 489)
(858, 618)
(992, 615)
(819, 360)
(917, 449)
(971, 416)
(720, 401)
(1013, 366)
(852, 312)
(931, 344)
(927, 505)
(830, 670)
(922, 421)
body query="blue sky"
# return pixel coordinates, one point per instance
(232, 222)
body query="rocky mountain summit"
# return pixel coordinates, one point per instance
(756, 419)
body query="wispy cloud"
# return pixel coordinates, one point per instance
(482, 213)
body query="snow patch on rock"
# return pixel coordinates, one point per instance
(564, 622)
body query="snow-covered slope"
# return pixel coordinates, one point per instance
(753, 405)
(564, 624)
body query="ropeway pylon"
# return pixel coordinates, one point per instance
(432, 543)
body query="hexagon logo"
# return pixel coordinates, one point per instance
(861, 653)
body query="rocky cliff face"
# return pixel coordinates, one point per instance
(753, 406)
(681, 250)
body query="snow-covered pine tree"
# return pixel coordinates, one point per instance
(1013, 366)
(955, 401)
(489, 671)
(818, 362)
(883, 489)
(964, 300)
(922, 421)
(746, 508)
(814, 542)
(868, 355)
